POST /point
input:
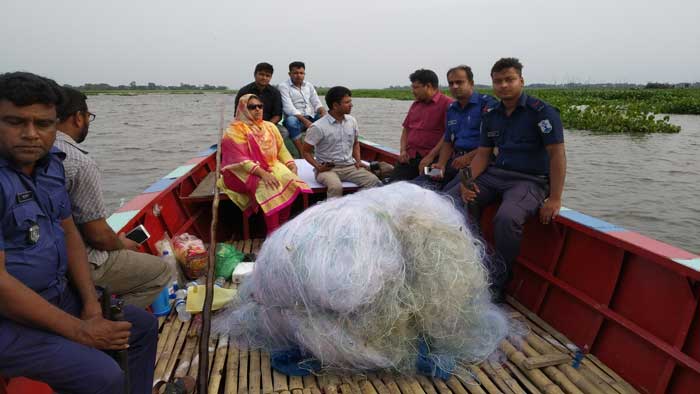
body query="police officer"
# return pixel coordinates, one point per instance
(51, 323)
(462, 130)
(528, 172)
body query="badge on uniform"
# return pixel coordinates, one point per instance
(546, 126)
(492, 133)
(33, 234)
(24, 196)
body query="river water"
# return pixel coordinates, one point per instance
(646, 183)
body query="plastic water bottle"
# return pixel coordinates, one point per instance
(181, 304)
(220, 281)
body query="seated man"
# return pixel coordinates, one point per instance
(462, 131)
(114, 259)
(529, 170)
(300, 104)
(423, 128)
(335, 140)
(268, 94)
(51, 324)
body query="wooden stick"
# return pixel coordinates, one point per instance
(187, 354)
(295, 382)
(403, 385)
(367, 388)
(507, 379)
(231, 385)
(354, 387)
(415, 385)
(390, 384)
(309, 381)
(535, 375)
(556, 375)
(218, 366)
(378, 385)
(546, 360)
(483, 379)
(203, 375)
(279, 381)
(163, 338)
(456, 386)
(579, 379)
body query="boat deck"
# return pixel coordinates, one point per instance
(542, 363)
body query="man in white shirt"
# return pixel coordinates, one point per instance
(334, 138)
(300, 103)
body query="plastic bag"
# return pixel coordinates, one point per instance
(227, 257)
(191, 254)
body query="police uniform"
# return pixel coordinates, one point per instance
(32, 238)
(519, 175)
(462, 130)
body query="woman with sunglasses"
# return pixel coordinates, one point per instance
(257, 170)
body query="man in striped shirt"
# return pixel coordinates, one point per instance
(114, 259)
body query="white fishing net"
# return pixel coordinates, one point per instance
(359, 281)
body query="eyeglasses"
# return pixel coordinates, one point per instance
(255, 106)
(91, 116)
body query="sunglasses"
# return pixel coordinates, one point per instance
(255, 106)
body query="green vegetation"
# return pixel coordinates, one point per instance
(610, 110)
(151, 88)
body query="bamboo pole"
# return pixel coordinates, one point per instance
(456, 386)
(378, 385)
(203, 377)
(507, 379)
(309, 381)
(163, 337)
(243, 371)
(266, 370)
(496, 378)
(441, 386)
(231, 385)
(254, 376)
(187, 354)
(403, 385)
(523, 379)
(415, 385)
(556, 375)
(176, 353)
(218, 368)
(354, 387)
(367, 388)
(295, 382)
(390, 384)
(485, 381)
(167, 351)
(279, 381)
(426, 384)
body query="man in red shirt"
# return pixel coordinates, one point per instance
(424, 126)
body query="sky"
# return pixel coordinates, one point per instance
(358, 43)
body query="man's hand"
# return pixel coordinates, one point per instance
(91, 310)
(270, 181)
(461, 162)
(322, 112)
(469, 195)
(425, 162)
(323, 167)
(129, 244)
(403, 157)
(307, 123)
(440, 167)
(550, 210)
(104, 334)
(292, 167)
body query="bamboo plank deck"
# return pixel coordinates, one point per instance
(542, 363)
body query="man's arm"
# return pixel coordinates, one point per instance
(356, 153)
(287, 105)
(557, 176)
(79, 269)
(430, 157)
(23, 305)
(276, 106)
(99, 235)
(478, 166)
(316, 102)
(403, 156)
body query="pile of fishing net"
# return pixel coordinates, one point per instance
(386, 278)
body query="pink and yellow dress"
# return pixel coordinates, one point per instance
(246, 145)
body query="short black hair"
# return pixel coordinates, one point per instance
(297, 64)
(24, 89)
(426, 77)
(264, 67)
(336, 94)
(506, 63)
(74, 101)
(465, 68)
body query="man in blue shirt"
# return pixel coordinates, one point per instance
(51, 323)
(462, 128)
(528, 172)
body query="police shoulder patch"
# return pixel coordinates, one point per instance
(535, 104)
(545, 126)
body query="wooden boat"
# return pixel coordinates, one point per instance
(621, 306)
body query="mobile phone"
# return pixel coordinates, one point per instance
(430, 171)
(138, 234)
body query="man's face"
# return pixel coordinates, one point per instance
(507, 84)
(460, 86)
(26, 133)
(262, 78)
(345, 105)
(83, 117)
(297, 75)
(420, 91)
